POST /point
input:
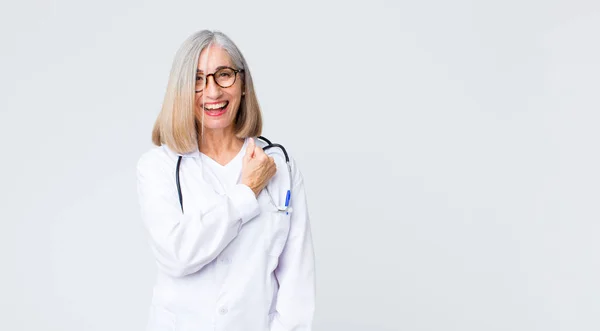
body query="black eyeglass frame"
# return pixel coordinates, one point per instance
(235, 72)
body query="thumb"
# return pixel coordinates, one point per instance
(250, 148)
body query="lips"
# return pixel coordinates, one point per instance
(215, 108)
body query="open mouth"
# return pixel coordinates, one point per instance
(216, 109)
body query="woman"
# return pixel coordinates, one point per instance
(229, 256)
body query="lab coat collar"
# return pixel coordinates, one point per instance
(196, 153)
(193, 154)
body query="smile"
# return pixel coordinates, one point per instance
(216, 109)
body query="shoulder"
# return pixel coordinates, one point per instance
(157, 158)
(280, 157)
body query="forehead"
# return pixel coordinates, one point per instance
(213, 57)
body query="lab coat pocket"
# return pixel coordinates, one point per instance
(276, 225)
(161, 319)
(277, 230)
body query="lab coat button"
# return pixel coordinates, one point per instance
(223, 310)
(225, 260)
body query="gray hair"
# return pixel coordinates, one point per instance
(176, 124)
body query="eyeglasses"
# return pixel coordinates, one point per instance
(224, 77)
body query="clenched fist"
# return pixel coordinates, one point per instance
(257, 168)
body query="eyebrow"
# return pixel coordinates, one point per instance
(218, 68)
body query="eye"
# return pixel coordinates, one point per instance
(225, 74)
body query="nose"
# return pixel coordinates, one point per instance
(212, 90)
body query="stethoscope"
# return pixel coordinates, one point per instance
(284, 208)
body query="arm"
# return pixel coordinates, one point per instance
(296, 269)
(184, 243)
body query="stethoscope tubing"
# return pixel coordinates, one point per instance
(269, 145)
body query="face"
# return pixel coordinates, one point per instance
(216, 106)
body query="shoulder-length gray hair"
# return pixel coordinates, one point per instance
(176, 125)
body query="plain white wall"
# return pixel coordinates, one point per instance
(450, 151)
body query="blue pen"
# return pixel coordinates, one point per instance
(287, 200)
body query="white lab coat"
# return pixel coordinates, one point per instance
(230, 262)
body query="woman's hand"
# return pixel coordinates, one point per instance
(257, 168)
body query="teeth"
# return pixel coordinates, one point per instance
(215, 106)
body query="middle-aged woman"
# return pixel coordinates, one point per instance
(234, 251)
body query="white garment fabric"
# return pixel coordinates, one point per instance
(230, 261)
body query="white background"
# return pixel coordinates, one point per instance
(449, 148)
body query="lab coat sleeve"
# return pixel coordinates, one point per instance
(296, 269)
(184, 243)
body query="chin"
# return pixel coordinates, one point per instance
(216, 126)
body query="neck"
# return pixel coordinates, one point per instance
(219, 143)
